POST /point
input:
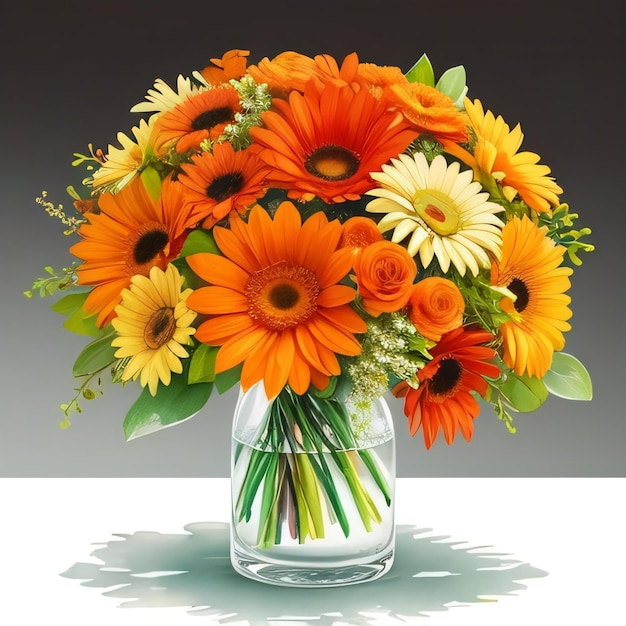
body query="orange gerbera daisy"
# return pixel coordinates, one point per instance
(131, 234)
(326, 141)
(231, 65)
(202, 115)
(428, 110)
(222, 181)
(444, 397)
(495, 155)
(274, 300)
(530, 267)
(290, 71)
(380, 77)
(285, 72)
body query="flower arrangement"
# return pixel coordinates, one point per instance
(304, 224)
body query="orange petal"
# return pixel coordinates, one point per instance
(216, 300)
(237, 348)
(220, 329)
(218, 270)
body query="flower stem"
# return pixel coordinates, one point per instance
(305, 441)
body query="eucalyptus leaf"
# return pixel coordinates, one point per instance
(523, 393)
(171, 405)
(422, 72)
(96, 355)
(567, 378)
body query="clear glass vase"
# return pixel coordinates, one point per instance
(312, 484)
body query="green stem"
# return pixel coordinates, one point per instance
(291, 462)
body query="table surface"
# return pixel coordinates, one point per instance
(470, 551)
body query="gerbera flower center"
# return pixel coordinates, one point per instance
(208, 119)
(445, 380)
(282, 295)
(160, 328)
(225, 186)
(332, 163)
(438, 211)
(518, 287)
(149, 244)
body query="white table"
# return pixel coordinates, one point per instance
(557, 546)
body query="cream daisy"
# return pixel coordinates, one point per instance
(153, 324)
(123, 163)
(441, 210)
(164, 98)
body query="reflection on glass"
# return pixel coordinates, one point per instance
(193, 570)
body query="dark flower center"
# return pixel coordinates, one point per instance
(332, 163)
(446, 377)
(212, 117)
(518, 287)
(224, 186)
(160, 328)
(283, 296)
(149, 245)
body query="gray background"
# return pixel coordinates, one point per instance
(70, 73)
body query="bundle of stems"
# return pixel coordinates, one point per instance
(302, 438)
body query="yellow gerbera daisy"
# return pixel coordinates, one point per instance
(445, 212)
(164, 98)
(530, 267)
(153, 324)
(122, 164)
(495, 155)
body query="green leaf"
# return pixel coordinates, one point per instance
(96, 356)
(81, 323)
(567, 378)
(78, 321)
(202, 364)
(199, 241)
(453, 83)
(422, 72)
(523, 393)
(151, 181)
(190, 278)
(171, 405)
(68, 304)
(225, 380)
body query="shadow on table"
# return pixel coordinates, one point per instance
(430, 573)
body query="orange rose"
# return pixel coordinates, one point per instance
(359, 232)
(385, 272)
(436, 306)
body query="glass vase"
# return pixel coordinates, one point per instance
(312, 485)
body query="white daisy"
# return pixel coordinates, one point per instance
(441, 209)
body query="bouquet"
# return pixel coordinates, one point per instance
(330, 231)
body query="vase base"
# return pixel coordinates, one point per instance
(295, 575)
